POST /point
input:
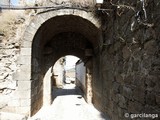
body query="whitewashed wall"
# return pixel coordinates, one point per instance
(81, 73)
(58, 71)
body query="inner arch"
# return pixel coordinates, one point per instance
(68, 23)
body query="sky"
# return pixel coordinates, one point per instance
(70, 61)
(14, 2)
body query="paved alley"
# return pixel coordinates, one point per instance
(68, 104)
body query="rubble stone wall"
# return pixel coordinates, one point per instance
(129, 59)
(10, 43)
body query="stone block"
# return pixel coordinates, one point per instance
(150, 47)
(139, 80)
(128, 79)
(24, 85)
(12, 85)
(136, 64)
(114, 116)
(139, 94)
(156, 88)
(28, 36)
(111, 50)
(3, 85)
(2, 105)
(150, 110)
(126, 52)
(117, 46)
(35, 24)
(119, 78)
(23, 94)
(26, 51)
(24, 60)
(23, 110)
(31, 29)
(26, 44)
(11, 116)
(158, 99)
(25, 102)
(14, 103)
(151, 83)
(150, 98)
(22, 76)
(122, 101)
(134, 107)
(25, 68)
(116, 87)
(127, 92)
(39, 19)
(45, 16)
(114, 97)
(121, 112)
(8, 109)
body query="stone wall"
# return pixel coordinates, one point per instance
(14, 24)
(130, 59)
(58, 74)
(8, 56)
(84, 78)
(81, 75)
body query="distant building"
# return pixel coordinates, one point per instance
(70, 73)
(81, 75)
(5, 2)
(58, 73)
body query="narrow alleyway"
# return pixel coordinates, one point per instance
(68, 104)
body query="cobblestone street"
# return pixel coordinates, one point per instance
(68, 105)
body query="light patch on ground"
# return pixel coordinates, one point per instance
(69, 105)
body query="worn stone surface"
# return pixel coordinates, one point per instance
(134, 61)
(76, 108)
(9, 53)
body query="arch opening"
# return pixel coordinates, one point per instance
(67, 74)
(53, 40)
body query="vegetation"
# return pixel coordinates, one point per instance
(7, 21)
(10, 22)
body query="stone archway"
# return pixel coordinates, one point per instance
(45, 41)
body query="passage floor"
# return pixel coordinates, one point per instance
(68, 104)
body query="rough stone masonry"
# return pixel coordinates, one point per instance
(130, 58)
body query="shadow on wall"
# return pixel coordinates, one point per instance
(54, 78)
(105, 117)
